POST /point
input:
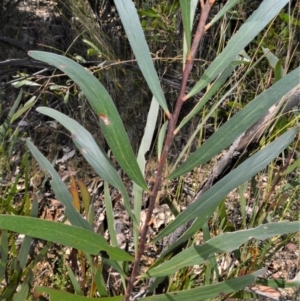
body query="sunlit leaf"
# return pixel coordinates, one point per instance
(110, 216)
(26, 245)
(64, 296)
(225, 9)
(226, 242)
(75, 237)
(11, 115)
(136, 37)
(205, 205)
(4, 253)
(275, 63)
(102, 104)
(209, 291)
(92, 153)
(248, 31)
(239, 123)
(24, 108)
(143, 149)
(60, 189)
(161, 139)
(74, 282)
(280, 283)
(24, 287)
(209, 94)
(185, 6)
(100, 282)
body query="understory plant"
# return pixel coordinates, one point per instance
(92, 248)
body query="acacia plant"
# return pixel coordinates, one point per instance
(96, 249)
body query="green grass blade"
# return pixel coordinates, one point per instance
(274, 63)
(248, 31)
(218, 83)
(206, 204)
(60, 189)
(85, 142)
(135, 35)
(74, 282)
(29, 104)
(14, 272)
(110, 216)
(102, 104)
(24, 287)
(116, 266)
(280, 283)
(192, 10)
(63, 296)
(24, 251)
(9, 119)
(99, 281)
(211, 266)
(143, 149)
(185, 6)
(4, 253)
(210, 291)
(292, 167)
(67, 235)
(226, 242)
(161, 139)
(239, 123)
(225, 9)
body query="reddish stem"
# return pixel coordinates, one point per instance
(205, 9)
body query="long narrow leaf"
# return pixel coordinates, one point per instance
(102, 104)
(192, 9)
(225, 9)
(226, 242)
(185, 6)
(100, 282)
(92, 153)
(25, 248)
(63, 296)
(75, 237)
(205, 205)
(135, 35)
(209, 94)
(4, 253)
(248, 31)
(239, 123)
(110, 216)
(9, 119)
(60, 189)
(275, 63)
(210, 291)
(24, 288)
(280, 283)
(161, 139)
(144, 148)
(74, 281)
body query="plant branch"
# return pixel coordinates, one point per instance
(205, 9)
